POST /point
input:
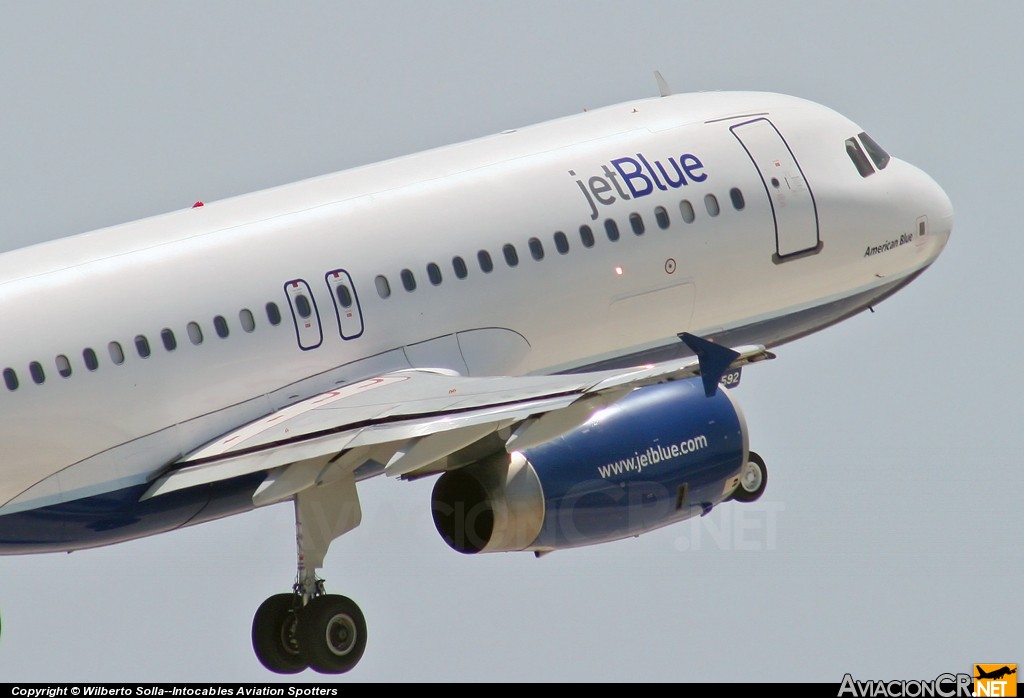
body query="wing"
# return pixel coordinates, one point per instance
(412, 423)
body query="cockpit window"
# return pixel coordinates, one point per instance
(853, 149)
(875, 151)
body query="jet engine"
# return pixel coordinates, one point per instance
(659, 455)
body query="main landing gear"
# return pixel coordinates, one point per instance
(753, 479)
(327, 634)
(310, 628)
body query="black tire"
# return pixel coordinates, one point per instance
(753, 480)
(332, 634)
(275, 635)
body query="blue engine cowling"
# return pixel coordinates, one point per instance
(661, 454)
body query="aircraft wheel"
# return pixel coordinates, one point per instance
(332, 634)
(752, 480)
(275, 635)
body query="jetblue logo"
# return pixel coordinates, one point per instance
(632, 177)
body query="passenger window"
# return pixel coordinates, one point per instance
(408, 280)
(274, 314)
(459, 265)
(860, 161)
(89, 357)
(737, 199)
(434, 273)
(484, 257)
(875, 151)
(302, 306)
(612, 228)
(246, 319)
(686, 211)
(10, 379)
(586, 236)
(35, 370)
(169, 340)
(661, 216)
(116, 353)
(711, 204)
(637, 223)
(63, 366)
(511, 256)
(536, 249)
(220, 325)
(344, 296)
(561, 243)
(195, 333)
(383, 287)
(142, 346)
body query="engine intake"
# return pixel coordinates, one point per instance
(494, 505)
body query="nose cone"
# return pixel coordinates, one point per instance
(943, 214)
(933, 210)
(937, 210)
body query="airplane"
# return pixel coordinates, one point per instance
(996, 674)
(547, 320)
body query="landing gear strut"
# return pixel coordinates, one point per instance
(310, 628)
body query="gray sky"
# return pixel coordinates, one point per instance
(888, 543)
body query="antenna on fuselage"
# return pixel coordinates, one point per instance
(663, 87)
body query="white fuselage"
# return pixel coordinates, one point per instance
(115, 426)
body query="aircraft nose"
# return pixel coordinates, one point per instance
(941, 214)
(934, 211)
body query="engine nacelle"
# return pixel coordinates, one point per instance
(662, 454)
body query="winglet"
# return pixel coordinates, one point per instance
(663, 87)
(714, 360)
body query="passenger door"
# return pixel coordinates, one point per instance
(792, 201)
